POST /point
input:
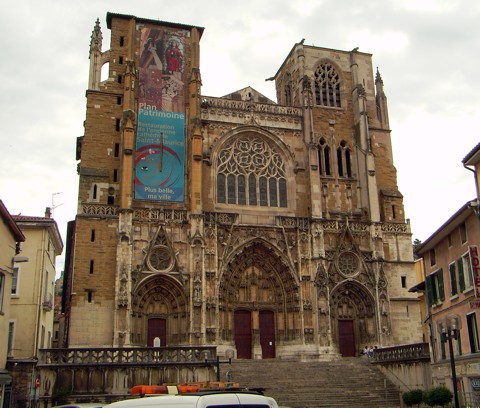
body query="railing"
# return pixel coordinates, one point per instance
(402, 354)
(128, 356)
(47, 303)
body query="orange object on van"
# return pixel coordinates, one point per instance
(185, 388)
(149, 389)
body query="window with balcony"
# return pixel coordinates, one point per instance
(15, 276)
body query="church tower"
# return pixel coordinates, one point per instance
(266, 229)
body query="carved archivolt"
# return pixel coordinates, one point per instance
(256, 272)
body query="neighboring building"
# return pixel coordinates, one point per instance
(10, 238)
(32, 303)
(272, 230)
(450, 260)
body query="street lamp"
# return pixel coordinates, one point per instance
(449, 330)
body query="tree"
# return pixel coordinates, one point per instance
(437, 396)
(413, 397)
(416, 244)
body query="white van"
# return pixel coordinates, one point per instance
(223, 399)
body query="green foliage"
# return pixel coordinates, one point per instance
(437, 396)
(413, 397)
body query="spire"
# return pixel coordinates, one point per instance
(378, 78)
(95, 57)
(381, 100)
(96, 38)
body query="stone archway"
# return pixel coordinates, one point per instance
(352, 310)
(258, 282)
(160, 305)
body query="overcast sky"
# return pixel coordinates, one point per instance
(427, 52)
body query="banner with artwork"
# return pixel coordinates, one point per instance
(160, 139)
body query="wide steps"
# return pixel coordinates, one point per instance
(352, 382)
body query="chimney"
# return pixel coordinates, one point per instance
(48, 212)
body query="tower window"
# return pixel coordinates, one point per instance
(120, 60)
(115, 175)
(117, 124)
(404, 281)
(343, 160)
(327, 86)
(92, 263)
(92, 235)
(119, 100)
(288, 90)
(324, 158)
(111, 196)
(122, 41)
(119, 79)
(116, 149)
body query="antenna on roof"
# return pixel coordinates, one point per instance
(53, 204)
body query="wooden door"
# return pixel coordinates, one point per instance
(346, 338)
(157, 327)
(243, 333)
(267, 333)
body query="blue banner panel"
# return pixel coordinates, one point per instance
(160, 155)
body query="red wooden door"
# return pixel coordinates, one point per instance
(346, 338)
(157, 328)
(243, 333)
(267, 333)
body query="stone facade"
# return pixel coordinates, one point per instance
(290, 240)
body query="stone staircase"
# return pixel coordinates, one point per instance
(347, 382)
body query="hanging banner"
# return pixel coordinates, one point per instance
(160, 138)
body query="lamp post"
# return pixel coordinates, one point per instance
(450, 330)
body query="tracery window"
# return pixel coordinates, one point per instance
(251, 172)
(327, 86)
(344, 160)
(324, 158)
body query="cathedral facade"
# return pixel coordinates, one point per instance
(270, 230)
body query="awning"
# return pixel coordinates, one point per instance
(5, 377)
(419, 287)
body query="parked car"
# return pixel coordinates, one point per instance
(210, 399)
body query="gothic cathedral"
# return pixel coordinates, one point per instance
(267, 229)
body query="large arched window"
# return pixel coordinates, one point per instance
(344, 160)
(327, 86)
(324, 158)
(251, 172)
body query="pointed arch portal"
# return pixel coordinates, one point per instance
(259, 301)
(159, 310)
(353, 317)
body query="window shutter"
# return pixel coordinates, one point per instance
(453, 279)
(441, 289)
(429, 282)
(461, 275)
